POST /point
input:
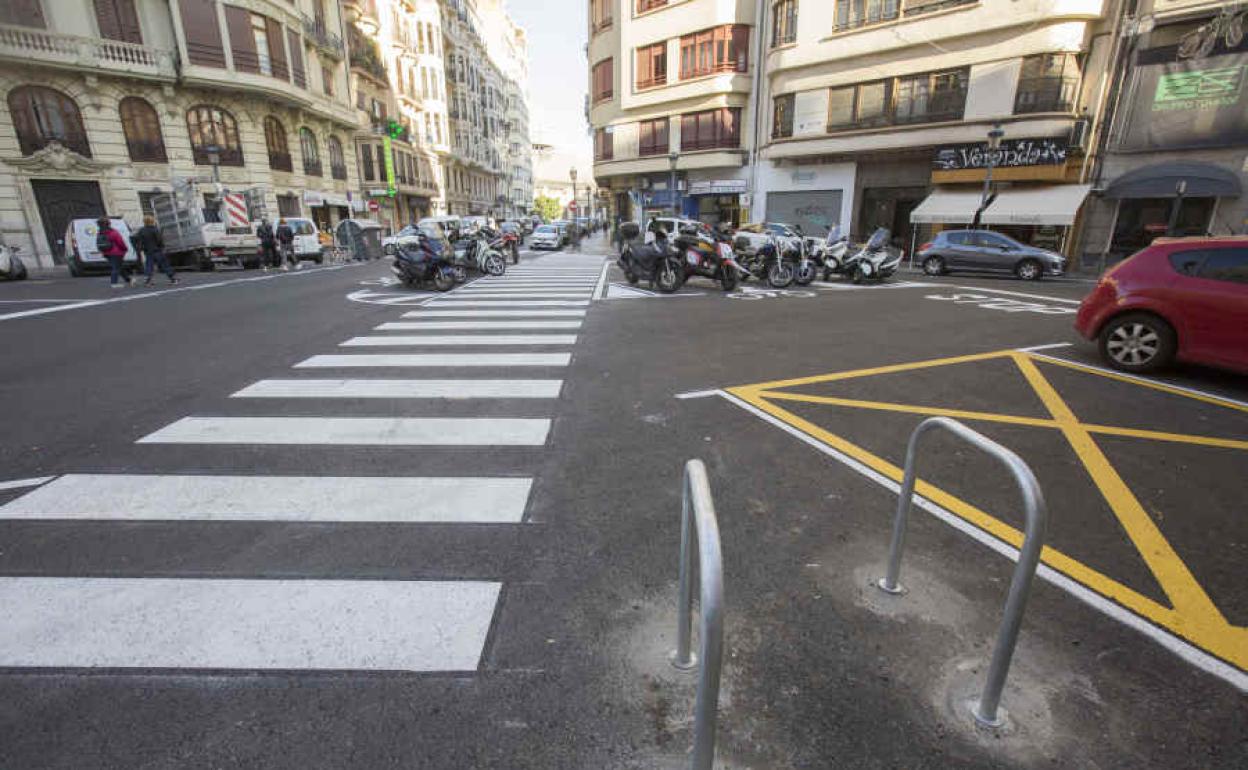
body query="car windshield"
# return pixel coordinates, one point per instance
(546, 229)
(509, 227)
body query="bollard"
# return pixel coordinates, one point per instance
(698, 510)
(986, 709)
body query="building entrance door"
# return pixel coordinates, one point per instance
(59, 202)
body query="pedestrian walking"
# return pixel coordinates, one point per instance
(268, 245)
(149, 242)
(112, 246)
(286, 237)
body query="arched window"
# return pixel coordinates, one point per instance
(42, 115)
(337, 161)
(213, 127)
(311, 155)
(141, 125)
(275, 139)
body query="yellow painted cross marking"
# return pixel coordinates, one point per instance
(1192, 614)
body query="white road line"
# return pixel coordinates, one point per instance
(1019, 294)
(455, 389)
(513, 303)
(600, 290)
(503, 288)
(276, 498)
(488, 340)
(1183, 649)
(164, 292)
(1034, 348)
(384, 625)
(23, 483)
(698, 394)
(395, 326)
(450, 360)
(526, 294)
(495, 314)
(354, 431)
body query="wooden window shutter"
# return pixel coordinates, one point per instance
(242, 40)
(277, 48)
(118, 20)
(296, 58)
(203, 33)
(22, 13)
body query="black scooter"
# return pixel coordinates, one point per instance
(426, 259)
(657, 263)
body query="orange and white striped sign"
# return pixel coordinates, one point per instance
(236, 210)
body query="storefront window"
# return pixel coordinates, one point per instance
(1140, 220)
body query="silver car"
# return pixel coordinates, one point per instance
(546, 237)
(988, 252)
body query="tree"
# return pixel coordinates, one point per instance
(546, 207)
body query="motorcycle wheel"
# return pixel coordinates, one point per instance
(728, 277)
(780, 276)
(515, 254)
(495, 264)
(443, 280)
(805, 273)
(667, 276)
(631, 277)
(460, 272)
(858, 276)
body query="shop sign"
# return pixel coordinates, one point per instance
(1198, 103)
(388, 151)
(718, 187)
(313, 198)
(1013, 153)
(378, 192)
(803, 177)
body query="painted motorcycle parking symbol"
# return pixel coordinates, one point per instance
(749, 292)
(1002, 303)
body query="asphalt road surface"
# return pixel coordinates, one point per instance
(316, 519)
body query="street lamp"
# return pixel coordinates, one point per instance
(994, 142)
(576, 236)
(671, 184)
(213, 153)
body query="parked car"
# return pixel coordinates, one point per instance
(546, 237)
(470, 225)
(671, 225)
(80, 252)
(307, 239)
(1184, 298)
(749, 238)
(451, 226)
(987, 252)
(565, 231)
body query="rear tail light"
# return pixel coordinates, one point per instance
(925, 246)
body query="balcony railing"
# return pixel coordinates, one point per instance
(146, 150)
(280, 161)
(338, 172)
(1045, 94)
(654, 82)
(649, 5)
(29, 44)
(889, 10)
(312, 169)
(316, 31)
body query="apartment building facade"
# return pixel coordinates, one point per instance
(670, 103)
(108, 102)
(864, 114)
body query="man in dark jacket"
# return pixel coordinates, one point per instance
(149, 241)
(286, 237)
(112, 246)
(268, 245)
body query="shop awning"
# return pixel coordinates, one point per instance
(335, 199)
(1161, 180)
(947, 206)
(1049, 205)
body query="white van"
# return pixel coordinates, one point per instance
(307, 239)
(80, 251)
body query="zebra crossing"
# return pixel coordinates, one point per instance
(502, 340)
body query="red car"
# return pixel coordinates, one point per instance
(1184, 298)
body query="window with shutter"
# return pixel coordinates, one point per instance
(213, 127)
(42, 115)
(311, 152)
(652, 136)
(118, 20)
(275, 140)
(242, 39)
(296, 59)
(721, 49)
(337, 161)
(22, 13)
(203, 33)
(652, 65)
(277, 48)
(141, 126)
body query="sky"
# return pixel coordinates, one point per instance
(558, 83)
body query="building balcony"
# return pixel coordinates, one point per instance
(28, 45)
(327, 42)
(362, 13)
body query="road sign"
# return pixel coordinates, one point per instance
(235, 210)
(374, 206)
(572, 205)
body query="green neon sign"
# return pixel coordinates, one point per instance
(388, 148)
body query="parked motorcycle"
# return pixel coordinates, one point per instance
(426, 258)
(655, 262)
(476, 252)
(833, 252)
(709, 255)
(779, 262)
(11, 267)
(875, 261)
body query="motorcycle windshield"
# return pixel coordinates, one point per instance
(836, 235)
(879, 239)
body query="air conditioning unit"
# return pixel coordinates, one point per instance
(1079, 134)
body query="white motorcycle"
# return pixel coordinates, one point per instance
(833, 252)
(875, 261)
(11, 268)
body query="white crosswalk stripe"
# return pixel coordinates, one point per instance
(457, 340)
(373, 388)
(279, 621)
